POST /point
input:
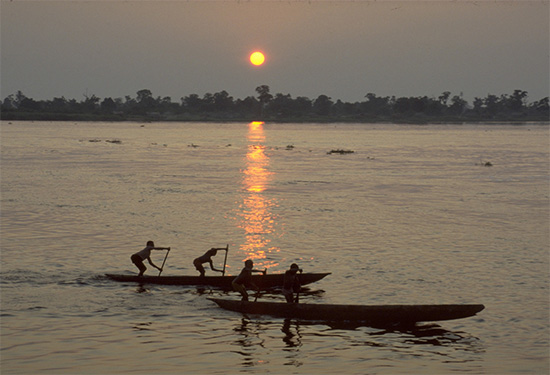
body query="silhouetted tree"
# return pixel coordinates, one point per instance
(491, 103)
(144, 96)
(57, 105)
(247, 107)
(145, 102)
(541, 105)
(192, 103)
(90, 104)
(108, 105)
(478, 105)
(302, 104)
(222, 101)
(458, 105)
(375, 105)
(444, 97)
(281, 105)
(263, 94)
(402, 105)
(264, 97)
(516, 102)
(322, 105)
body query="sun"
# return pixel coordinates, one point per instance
(257, 58)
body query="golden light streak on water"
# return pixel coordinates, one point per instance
(257, 219)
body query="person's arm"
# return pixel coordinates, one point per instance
(258, 271)
(153, 264)
(161, 248)
(297, 285)
(212, 266)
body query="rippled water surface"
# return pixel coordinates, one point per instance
(415, 215)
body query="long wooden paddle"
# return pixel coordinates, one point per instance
(164, 261)
(225, 260)
(298, 292)
(258, 290)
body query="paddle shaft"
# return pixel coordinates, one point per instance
(164, 261)
(225, 260)
(258, 288)
(298, 292)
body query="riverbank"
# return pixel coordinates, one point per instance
(394, 119)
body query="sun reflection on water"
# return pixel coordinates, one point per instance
(257, 220)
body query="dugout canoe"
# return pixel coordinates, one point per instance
(268, 281)
(372, 314)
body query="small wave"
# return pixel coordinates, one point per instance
(37, 308)
(22, 276)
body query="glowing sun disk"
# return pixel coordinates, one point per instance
(257, 58)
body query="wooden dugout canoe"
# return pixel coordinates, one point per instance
(373, 314)
(268, 281)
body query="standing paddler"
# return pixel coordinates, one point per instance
(291, 283)
(207, 258)
(245, 278)
(145, 254)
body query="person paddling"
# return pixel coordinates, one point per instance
(245, 278)
(291, 283)
(206, 258)
(145, 254)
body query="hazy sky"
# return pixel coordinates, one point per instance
(343, 49)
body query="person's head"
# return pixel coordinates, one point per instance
(248, 263)
(150, 244)
(294, 267)
(213, 252)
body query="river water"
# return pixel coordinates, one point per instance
(416, 214)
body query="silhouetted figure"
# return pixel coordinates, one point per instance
(245, 278)
(145, 254)
(291, 283)
(206, 258)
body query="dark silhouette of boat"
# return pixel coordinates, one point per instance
(372, 314)
(268, 281)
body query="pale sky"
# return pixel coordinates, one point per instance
(342, 49)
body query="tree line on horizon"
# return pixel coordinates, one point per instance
(265, 106)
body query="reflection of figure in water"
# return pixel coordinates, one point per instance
(145, 254)
(206, 258)
(245, 278)
(291, 340)
(291, 283)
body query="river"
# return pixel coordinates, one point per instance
(416, 214)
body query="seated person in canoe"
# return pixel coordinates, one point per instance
(291, 283)
(245, 279)
(145, 254)
(206, 258)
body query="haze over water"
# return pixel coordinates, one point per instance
(415, 215)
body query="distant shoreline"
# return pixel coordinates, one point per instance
(279, 108)
(413, 120)
(402, 122)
